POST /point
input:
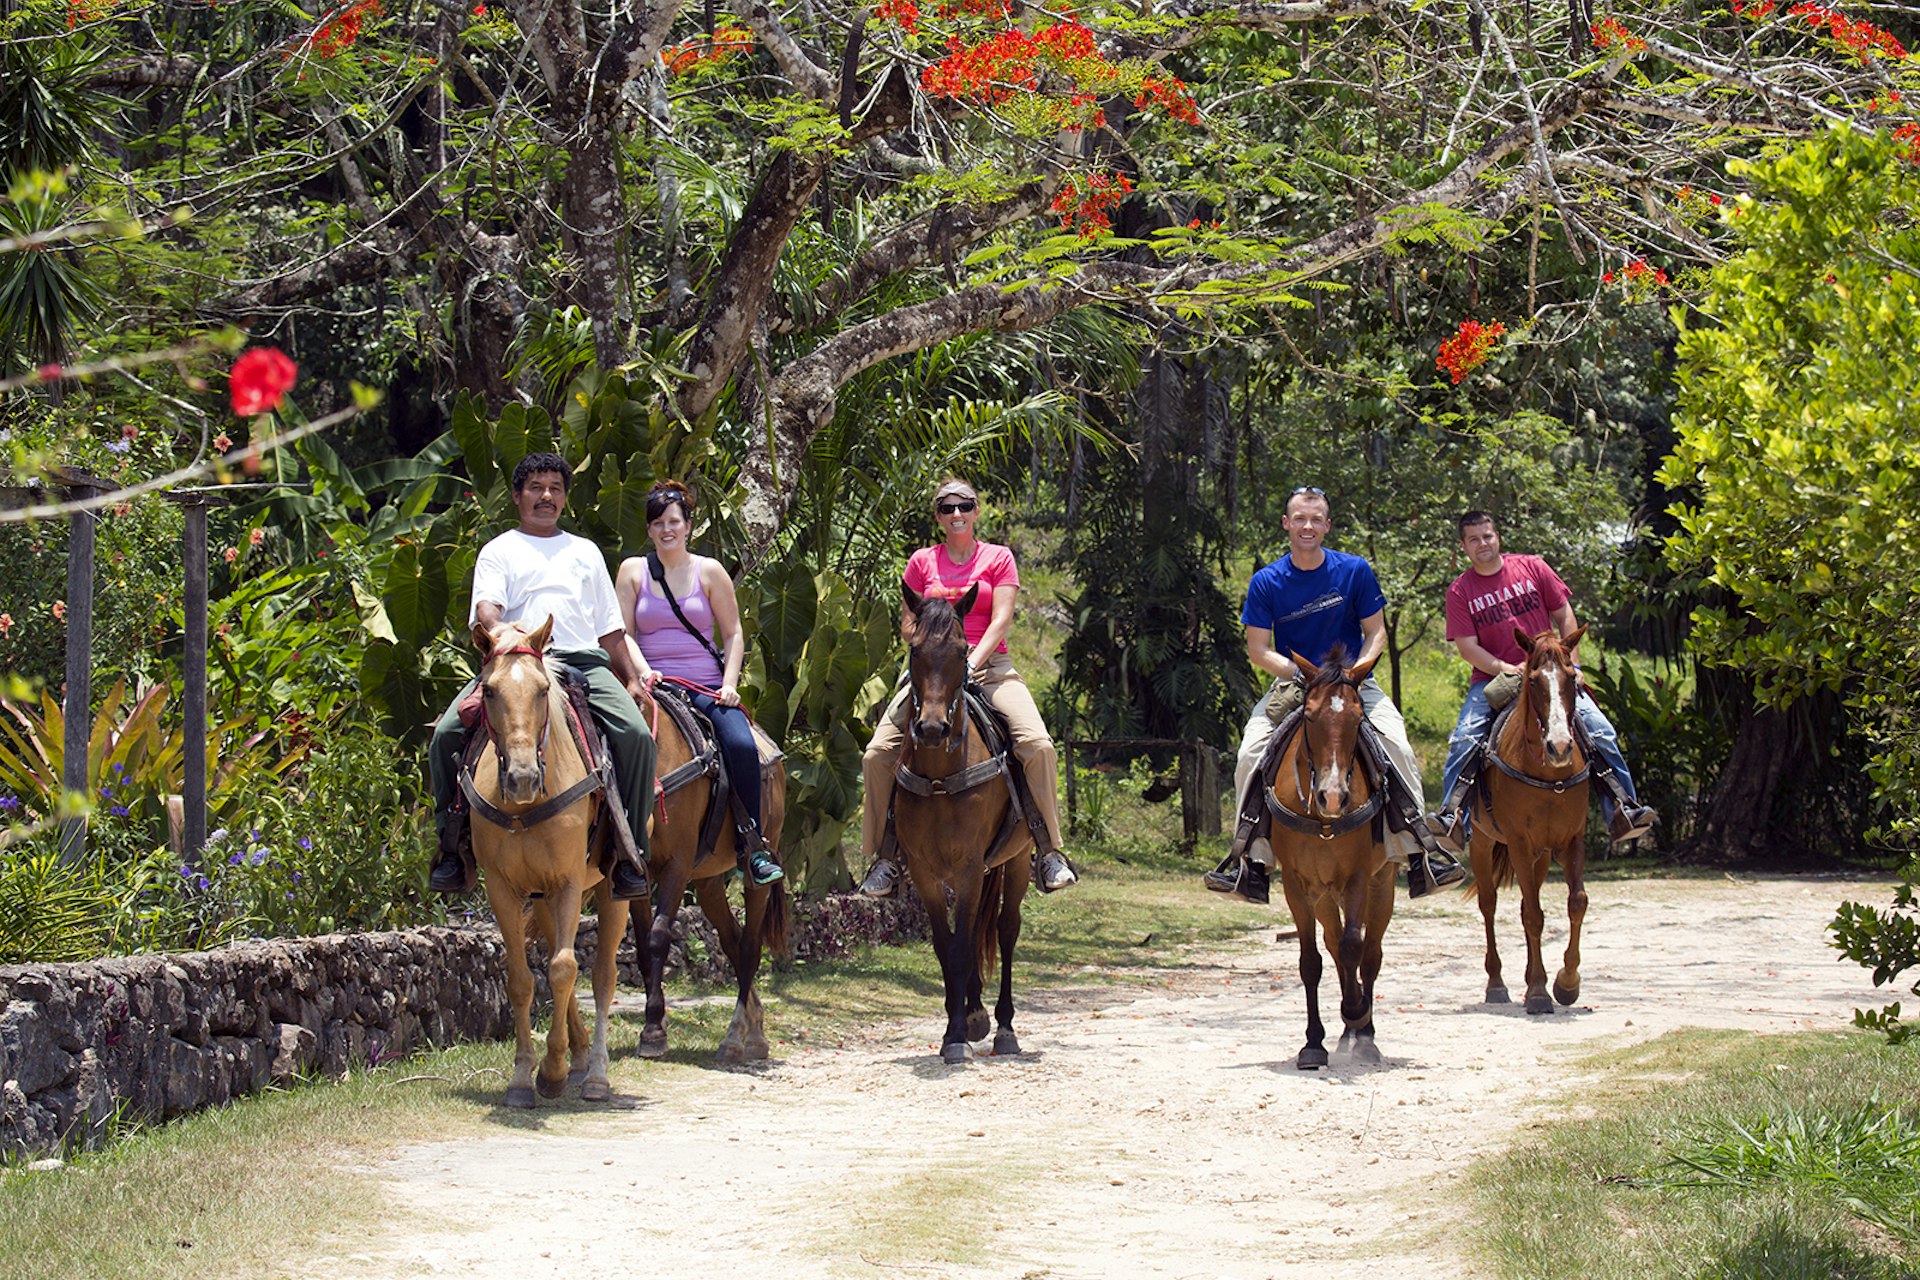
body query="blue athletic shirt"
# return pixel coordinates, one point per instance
(1311, 610)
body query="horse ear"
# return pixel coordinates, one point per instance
(537, 641)
(482, 640)
(1306, 667)
(1361, 672)
(1573, 640)
(1526, 641)
(913, 598)
(966, 601)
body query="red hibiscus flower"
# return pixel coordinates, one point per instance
(261, 378)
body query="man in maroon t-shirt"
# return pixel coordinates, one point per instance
(1484, 605)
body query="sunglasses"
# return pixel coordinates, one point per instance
(1315, 490)
(948, 508)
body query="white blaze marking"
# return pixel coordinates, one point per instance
(1558, 732)
(1339, 704)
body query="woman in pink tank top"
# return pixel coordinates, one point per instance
(685, 623)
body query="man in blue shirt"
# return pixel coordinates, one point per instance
(1306, 602)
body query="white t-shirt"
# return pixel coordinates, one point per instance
(564, 575)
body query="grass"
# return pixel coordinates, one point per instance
(1717, 1154)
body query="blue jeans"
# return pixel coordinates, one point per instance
(737, 748)
(1471, 729)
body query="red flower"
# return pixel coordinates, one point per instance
(222, 443)
(1609, 32)
(480, 11)
(1715, 199)
(1469, 348)
(50, 373)
(261, 378)
(1084, 203)
(6, 624)
(59, 610)
(1607, 278)
(232, 554)
(257, 537)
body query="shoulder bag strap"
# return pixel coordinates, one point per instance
(659, 572)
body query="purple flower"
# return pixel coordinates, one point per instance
(306, 844)
(186, 871)
(296, 877)
(9, 802)
(257, 857)
(119, 446)
(201, 882)
(216, 835)
(234, 861)
(119, 767)
(118, 811)
(106, 793)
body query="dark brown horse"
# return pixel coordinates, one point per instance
(954, 819)
(1332, 866)
(674, 862)
(1536, 813)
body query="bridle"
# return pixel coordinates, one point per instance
(1305, 791)
(546, 727)
(956, 708)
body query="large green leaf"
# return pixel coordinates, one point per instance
(416, 594)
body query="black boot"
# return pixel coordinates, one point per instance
(449, 874)
(1429, 871)
(629, 880)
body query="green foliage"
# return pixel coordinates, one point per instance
(1657, 711)
(1887, 942)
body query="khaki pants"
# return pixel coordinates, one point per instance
(1032, 747)
(1387, 722)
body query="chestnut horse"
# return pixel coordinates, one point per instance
(1536, 811)
(674, 862)
(534, 801)
(957, 826)
(1325, 807)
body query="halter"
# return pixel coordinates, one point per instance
(1305, 801)
(546, 727)
(1555, 785)
(1304, 821)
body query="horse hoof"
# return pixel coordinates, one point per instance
(758, 1050)
(1311, 1058)
(520, 1097)
(653, 1044)
(1364, 1051)
(1566, 995)
(978, 1025)
(729, 1054)
(595, 1091)
(1004, 1043)
(550, 1088)
(953, 1054)
(1498, 995)
(1539, 1003)
(577, 1076)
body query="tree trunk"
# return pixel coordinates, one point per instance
(1737, 820)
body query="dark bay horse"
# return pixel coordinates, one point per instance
(674, 862)
(1332, 866)
(534, 802)
(955, 821)
(1536, 812)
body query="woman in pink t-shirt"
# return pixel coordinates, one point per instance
(946, 571)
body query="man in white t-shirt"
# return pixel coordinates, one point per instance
(523, 576)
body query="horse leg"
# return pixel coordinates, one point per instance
(1013, 890)
(1379, 914)
(974, 1022)
(1566, 984)
(653, 949)
(712, 894)
(563, 971)
(1313, 1055)
(1356, 1008)
(507, 910)
(986, 912)
(606, 976)
(1486, 883)
(1533, 873)
(746, 968)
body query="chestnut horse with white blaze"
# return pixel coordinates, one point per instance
(1325, 808)
(534, 801)
(956, 824)
(1536, 813)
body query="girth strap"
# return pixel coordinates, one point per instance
(1555, 785)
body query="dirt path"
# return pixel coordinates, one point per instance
(1162, 1132)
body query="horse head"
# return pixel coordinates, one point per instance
(936, 664)
(1548, 687)
(1331, 728)
(514, 680)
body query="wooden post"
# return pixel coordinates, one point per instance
(1209, 789)
(79, 693)
(193, 732)
(1073, 791)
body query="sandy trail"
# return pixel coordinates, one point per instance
(1157, 1131)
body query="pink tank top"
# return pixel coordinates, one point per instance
(665, 644)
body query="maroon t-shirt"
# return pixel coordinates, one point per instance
(1487, 607)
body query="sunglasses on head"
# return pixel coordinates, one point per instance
(1315, 490)
(948, 508)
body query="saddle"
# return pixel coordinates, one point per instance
(709, 763)
(591, 743)
(998, 737)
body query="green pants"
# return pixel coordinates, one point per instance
(613, 710)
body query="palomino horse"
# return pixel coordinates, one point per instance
(534, 802)
(1332, 866)
(1536, 811)
(957, 825)
(675, 861)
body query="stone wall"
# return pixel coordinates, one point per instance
(156, 1037)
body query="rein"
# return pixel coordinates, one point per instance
(533, 817)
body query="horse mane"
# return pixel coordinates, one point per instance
(936, 621)
(1333, 670)
(1547, 647)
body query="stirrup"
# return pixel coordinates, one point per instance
(1248, 881)
(1427, 872)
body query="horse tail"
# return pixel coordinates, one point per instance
(1503, 872)
(986, 925)
(774, 926)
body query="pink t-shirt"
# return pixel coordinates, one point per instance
(932, 572)
(1487, 607)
